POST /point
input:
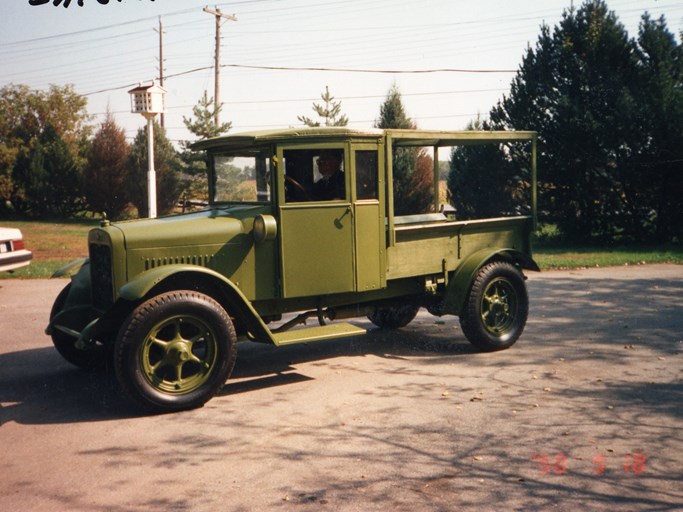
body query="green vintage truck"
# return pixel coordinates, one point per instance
(300, 226)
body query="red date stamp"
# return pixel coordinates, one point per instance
(558, 464)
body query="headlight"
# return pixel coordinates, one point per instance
(265, 228)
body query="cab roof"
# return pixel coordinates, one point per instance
(295, 134)
(398, 137)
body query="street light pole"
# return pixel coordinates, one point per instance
(151, 172)
(149, 101)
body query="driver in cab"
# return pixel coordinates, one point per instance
(331, 186)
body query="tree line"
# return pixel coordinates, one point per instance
(607, 109)
(52, 165)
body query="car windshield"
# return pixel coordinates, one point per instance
(240, 178)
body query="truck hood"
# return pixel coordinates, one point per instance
(213, 226)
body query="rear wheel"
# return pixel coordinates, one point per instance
(175, 351)
(497, 306)
(393, 317)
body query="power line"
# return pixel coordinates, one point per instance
(383, 71)
(124, 23)
(340, 98)
(340, 70)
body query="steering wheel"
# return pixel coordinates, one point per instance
(299, 192)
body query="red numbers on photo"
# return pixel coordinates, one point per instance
(557, 464)
(554, 464)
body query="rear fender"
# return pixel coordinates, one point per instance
(460, 283)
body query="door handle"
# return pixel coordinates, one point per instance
(338, 222)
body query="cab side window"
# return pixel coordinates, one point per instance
(314, 175)
(366, 175)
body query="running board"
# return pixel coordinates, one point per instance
(323, 332)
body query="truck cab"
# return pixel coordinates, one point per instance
(300, 225)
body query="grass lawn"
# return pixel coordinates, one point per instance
(54, 244)
(573, 257)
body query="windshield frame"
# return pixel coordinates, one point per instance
(264, 155)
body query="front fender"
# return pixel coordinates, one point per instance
(71, 269)
(142, 284)
(72, 311)
(461, 281)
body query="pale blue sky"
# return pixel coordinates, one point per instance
(99, 47)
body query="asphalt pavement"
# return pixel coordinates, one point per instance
(584, 412)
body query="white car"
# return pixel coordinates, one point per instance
(13, 253)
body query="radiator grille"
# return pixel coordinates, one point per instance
(101, 276)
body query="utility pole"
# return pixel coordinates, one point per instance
(217, 63)
(161, 61)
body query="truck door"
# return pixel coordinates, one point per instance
(369, 235)
(316, 220)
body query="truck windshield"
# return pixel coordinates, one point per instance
(241, 178)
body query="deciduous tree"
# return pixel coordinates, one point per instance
(25, 116)
(107, 172)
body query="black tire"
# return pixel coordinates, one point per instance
(175, 351)
(393, 317)
(93, 358)
(496, 308)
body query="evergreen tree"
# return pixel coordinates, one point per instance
(656, 177)
(412, 167)
(329, 112)
(47, 178)
(482, 181)
(576, 88)
(204, 123)
(194, 179)
(106, 173)
(167, 165)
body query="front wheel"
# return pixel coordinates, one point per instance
(175, 351)
(496, 308)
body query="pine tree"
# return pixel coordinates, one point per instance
(576, 89)
(47, 178)
(204, 123)
(412, 167)
(481, 180)
(194, 179)
(167, 165)
(656, 179)
(329, 112)
(107, 172)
